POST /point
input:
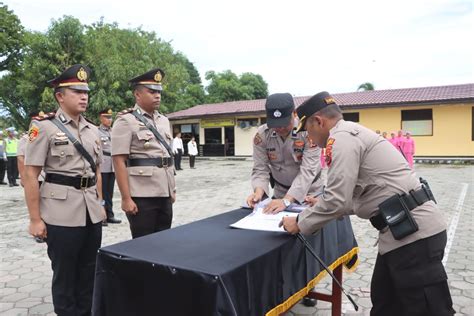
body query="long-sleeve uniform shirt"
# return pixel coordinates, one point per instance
(365, 170)
(293, 162)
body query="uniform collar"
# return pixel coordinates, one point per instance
(64, 118)
(335, 127)
(103, 127)
(155, 112)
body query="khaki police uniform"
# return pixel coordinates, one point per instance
(22, 143)
(107, 171)
(56, 154)
(293, 163)
(364, 171)
(69, 201)
(150, 166)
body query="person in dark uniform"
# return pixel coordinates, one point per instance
(368, 177)
(66, 210)
(143, 159)
(107, 170)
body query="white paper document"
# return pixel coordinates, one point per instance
(257, 220)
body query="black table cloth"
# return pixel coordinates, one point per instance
(208, 268)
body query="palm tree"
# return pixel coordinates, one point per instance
(366, 87)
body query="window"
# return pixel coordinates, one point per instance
(353, 117)
(213, 135)
(418, 122)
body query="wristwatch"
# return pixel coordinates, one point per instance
(102, 203)
(286, 202)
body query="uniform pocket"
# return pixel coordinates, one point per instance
(62, 152)
(141, 171)
(144, 135)
(56, 192)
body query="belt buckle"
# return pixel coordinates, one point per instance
(84, 183)
(164, 162)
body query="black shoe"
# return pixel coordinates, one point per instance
(310, 302)
(104, 223)
(16, 185)
(113, 220)
(3, 183)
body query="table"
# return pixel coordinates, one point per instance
(208, 268)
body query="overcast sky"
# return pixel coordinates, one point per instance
(301, 47)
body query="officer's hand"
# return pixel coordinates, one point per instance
(129, 207)
(254, 198)
(173, 197)
(274, 207)
(38, 229)
(290, 225)
(310, 200)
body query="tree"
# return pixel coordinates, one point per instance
(227, 86)
(115, 55)
(11, 39)
(366, 87)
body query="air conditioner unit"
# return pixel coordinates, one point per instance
(244, 124)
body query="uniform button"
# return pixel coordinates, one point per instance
(52, 193)
(140, 171)
(62, 153)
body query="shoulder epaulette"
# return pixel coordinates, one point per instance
(92, 122)
(129, 110)
(47, 116)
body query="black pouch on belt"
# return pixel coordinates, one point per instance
(398, 217)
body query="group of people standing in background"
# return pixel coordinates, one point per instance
(404, 143)
(178, 150)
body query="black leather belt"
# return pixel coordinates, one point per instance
(106, 153)
(77, 182)
(412, 200)
(157, 162)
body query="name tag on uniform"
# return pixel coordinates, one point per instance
(61, 142)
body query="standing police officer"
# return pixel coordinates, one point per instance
(283, 158)
(368, 177)
(66, 210)
(142, 155)
(106, 168)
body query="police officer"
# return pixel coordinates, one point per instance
(368, 177)
(66, 210)
(283, 158)
(106, 168)
(11, 148)
(142, 155)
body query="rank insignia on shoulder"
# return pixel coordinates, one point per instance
(129, 110)
(33, 133)
(42, 116)
(257, 139)
(328, 155)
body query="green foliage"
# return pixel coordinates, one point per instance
(11, 38)
(366, 87)
(115, 55)
(227, 86)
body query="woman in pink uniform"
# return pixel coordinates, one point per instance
(408, 148)
(393, 140)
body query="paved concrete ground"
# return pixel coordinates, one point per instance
(218, 186)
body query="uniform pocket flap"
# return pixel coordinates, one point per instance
(144, 135)
(141, 171)
(62, 150)
(56, 192)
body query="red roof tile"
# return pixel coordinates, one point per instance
(348, 100)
